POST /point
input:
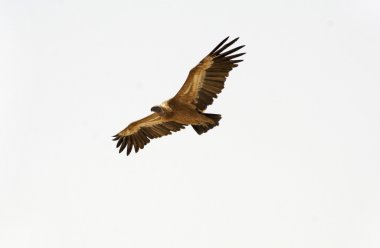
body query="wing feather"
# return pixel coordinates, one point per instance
(206, 80)
(123, 143)
(130, 145)
(139, 133)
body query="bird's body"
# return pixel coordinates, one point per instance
(187, 107)
(184, 113)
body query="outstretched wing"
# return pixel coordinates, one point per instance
(139, 133)
(206, 80)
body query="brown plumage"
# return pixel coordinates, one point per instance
(203, 84)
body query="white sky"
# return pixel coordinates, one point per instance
(294, 163)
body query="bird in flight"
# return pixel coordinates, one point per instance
(187, 107)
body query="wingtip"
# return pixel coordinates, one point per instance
(236, 38)
(219, 45)
(129, 149)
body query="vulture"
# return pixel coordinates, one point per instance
(203, 84)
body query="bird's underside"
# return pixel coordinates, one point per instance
(203, 84)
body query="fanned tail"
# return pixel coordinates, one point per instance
(203, 129)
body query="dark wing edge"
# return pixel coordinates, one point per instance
(144, 134)
(223, 61)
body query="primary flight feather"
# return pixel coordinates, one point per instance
(204, 82)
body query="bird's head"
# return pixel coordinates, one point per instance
(159, 110)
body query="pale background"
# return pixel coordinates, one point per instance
(294, 163)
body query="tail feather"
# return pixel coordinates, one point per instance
(203, 129)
